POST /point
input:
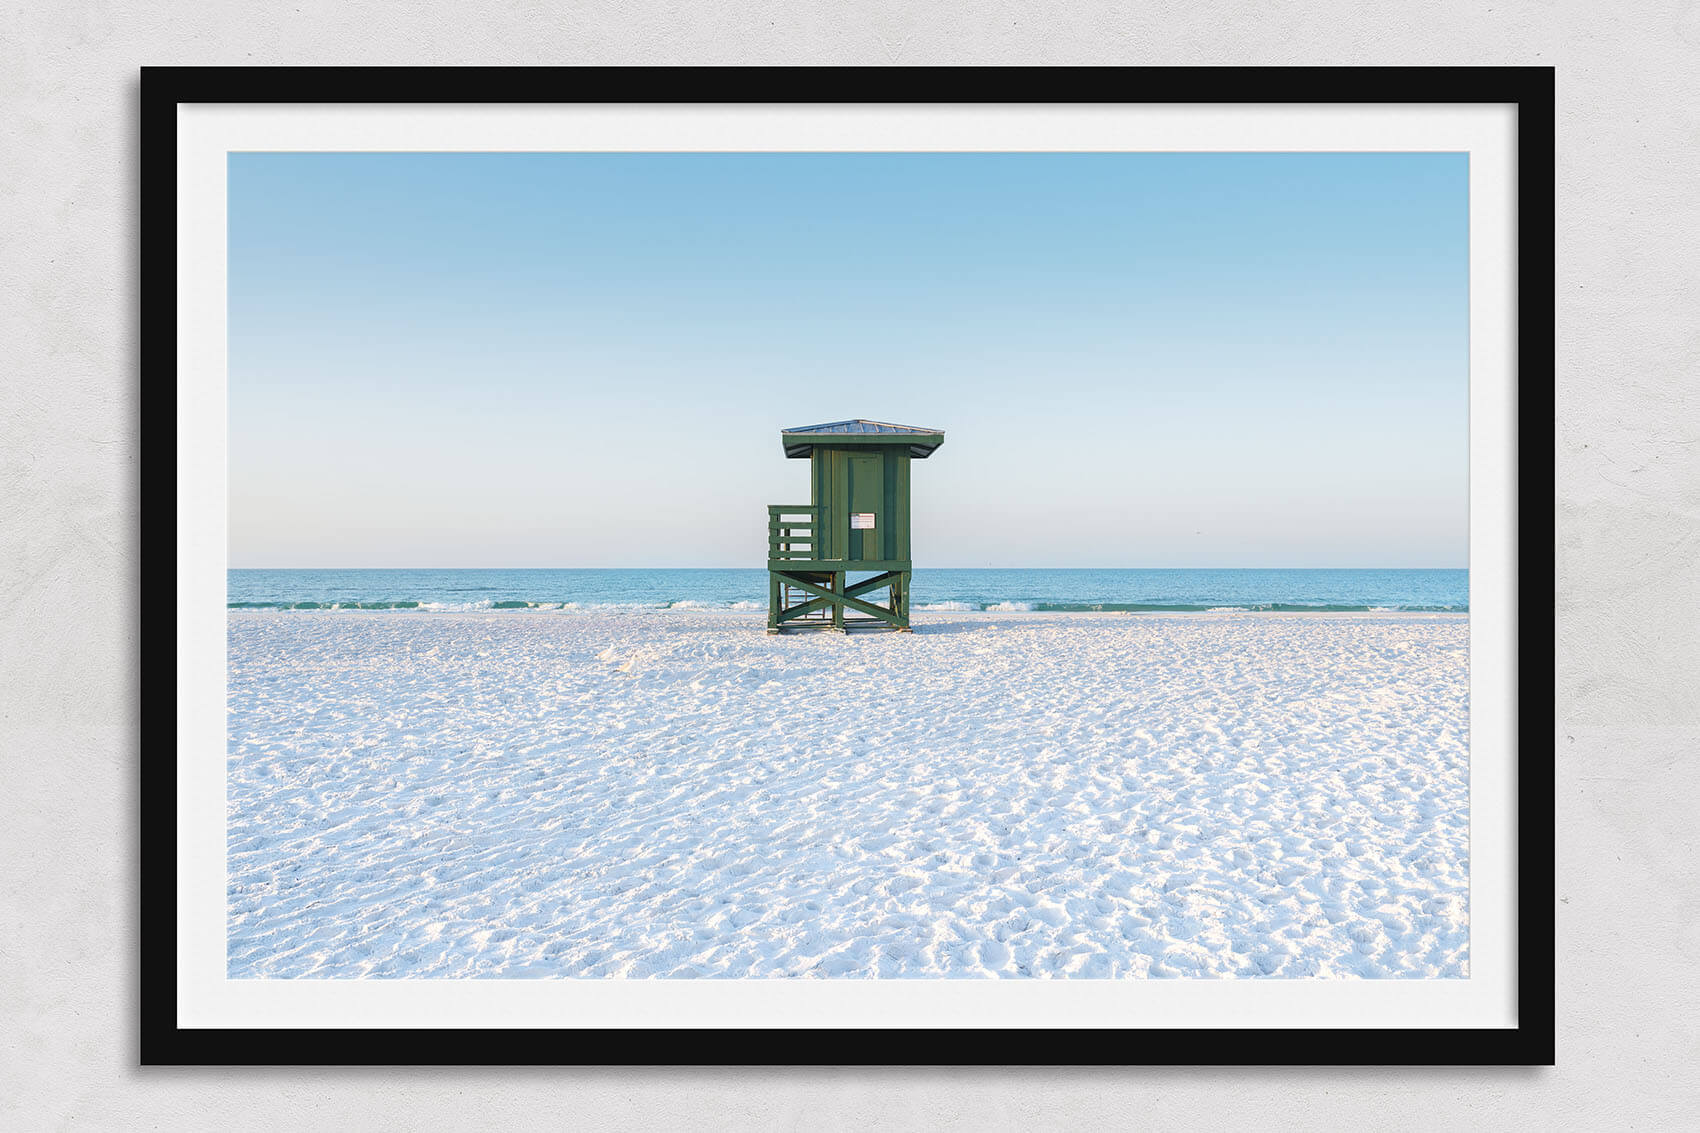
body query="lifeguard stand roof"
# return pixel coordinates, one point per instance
(801, 442)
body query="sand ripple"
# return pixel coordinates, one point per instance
(680, 795)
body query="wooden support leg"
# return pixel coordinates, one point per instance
(900, 601)
(772, 602)
(838, 580)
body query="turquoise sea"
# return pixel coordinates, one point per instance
(989, 589)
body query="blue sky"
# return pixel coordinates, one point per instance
(581, 360)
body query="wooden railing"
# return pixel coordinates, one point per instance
(792, 538)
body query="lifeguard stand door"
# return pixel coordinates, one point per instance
(867, 506)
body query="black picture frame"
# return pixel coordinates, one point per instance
(1529, 89)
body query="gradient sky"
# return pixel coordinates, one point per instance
(584, 360)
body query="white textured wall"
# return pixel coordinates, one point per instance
(1627, 733)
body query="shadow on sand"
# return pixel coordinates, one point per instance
(871, 628)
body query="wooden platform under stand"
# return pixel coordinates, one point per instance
(820, 594)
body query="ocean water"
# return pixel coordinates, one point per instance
(419, 591)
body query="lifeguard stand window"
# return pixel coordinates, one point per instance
(857, 519)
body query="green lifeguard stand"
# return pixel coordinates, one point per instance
(857, 521)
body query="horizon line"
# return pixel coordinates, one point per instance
(764, 568)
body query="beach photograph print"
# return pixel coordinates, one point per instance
(1031, 566)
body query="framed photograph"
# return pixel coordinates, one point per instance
(1181, 695)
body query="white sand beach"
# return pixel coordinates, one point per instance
(673, 794)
